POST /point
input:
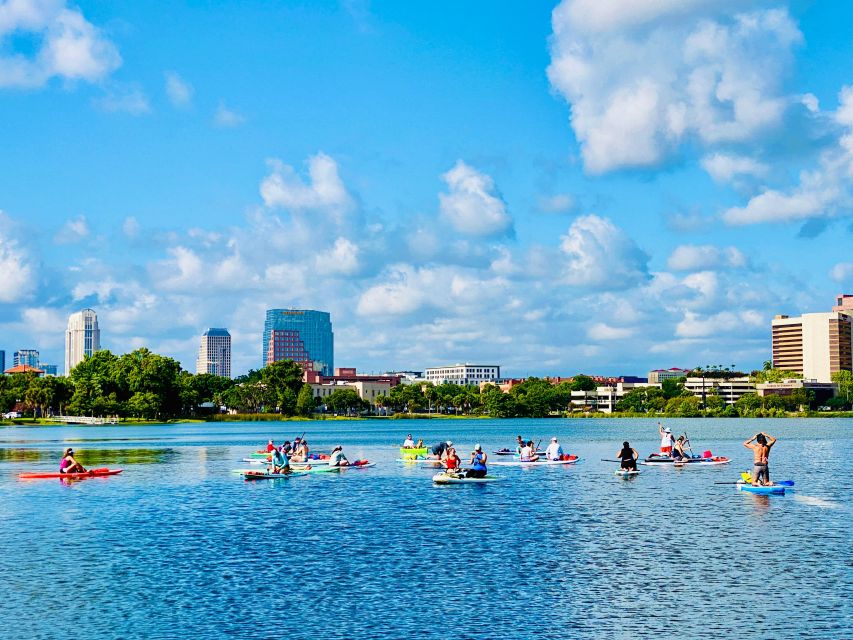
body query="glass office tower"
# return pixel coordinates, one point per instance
(301, 335)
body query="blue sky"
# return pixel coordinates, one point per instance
(590, 185)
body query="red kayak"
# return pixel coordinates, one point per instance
(91, 473)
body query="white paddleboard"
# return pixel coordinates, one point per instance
(626, 474)
(443, 478)
(537, 463)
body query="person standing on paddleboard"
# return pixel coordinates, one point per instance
(760, 457)
(68, 464)
(666, 440)
(478, 463)
(628, 457)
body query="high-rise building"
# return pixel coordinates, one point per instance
(28, 357)
(214, 353)
(49, 369)
(82, 338)
(815, 344)
(2, 360)
(301, 335)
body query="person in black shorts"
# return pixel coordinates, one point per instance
(628, 457)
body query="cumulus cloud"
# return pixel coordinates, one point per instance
(822, 191)
(559, 203)
(700, 257)
(18, 278)
(601, 331)
(719, 325)
(600, 254)
(73, 231)
(724, 167)
(68, 46)
(131, 227)
(226, 118)
(178, 90)
(342, 258)
(646, 76)
(283, 188)
(472, 205)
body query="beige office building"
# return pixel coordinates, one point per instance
(82, 338)
(815, 344)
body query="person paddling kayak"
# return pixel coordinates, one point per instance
(279, 461)
(760, 457)
(68, 464)
(478, 463)
(337, 457)
(628, 457)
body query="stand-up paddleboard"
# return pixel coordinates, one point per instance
(625, 473)
(536, 463)
(774, 489)
(420, 460)
(262, 475)
(689, 463)
(448, 478)
(91, 473)
(414, 453)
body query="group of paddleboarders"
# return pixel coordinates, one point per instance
(446, 453)
(281, 456)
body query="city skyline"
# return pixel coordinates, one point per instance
(558, 187)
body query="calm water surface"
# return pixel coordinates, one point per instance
(178, 546)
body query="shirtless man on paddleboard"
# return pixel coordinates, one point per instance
(761, 457)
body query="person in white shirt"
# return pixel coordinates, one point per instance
(337, 458)
(554, 450)
(666, 440)
(527, 452)
(409, 443)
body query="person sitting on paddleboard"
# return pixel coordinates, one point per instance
(451, 459)
(286, 448)
(337, 457)
(628, 457)
(68, 464)
(409, 442)
(666, 440)
(554, 450)
(760, 457)
(300, 453)
(279, 461)
(678, 452)
(527, 452)
(478, 463)
(519, 445)
(270, 446)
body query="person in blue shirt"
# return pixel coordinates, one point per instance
(279, 461)
(478, 463)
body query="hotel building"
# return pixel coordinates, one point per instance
(302, 335)
(82, 338)
(463, 374)
(214, 353)
(815, 344)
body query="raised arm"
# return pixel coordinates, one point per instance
(770, 440)
(748, 443)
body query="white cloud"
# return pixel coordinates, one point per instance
(723, 167)
(73, 231)
(472, 205)
(227, 118)
(600, 254)
(823, 191)
(645, 76)
(720, 325)
(700, 257)
(342, 258)
(131, 227)
(68, 45)
(405, 290)
(18, 279)
(601, 331)
(124, 99)
(283, 188)
(842, 272)
(179, 91)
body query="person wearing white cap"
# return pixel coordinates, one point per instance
(554, 450)
(478, 463)
(439, 449)
(666, 440)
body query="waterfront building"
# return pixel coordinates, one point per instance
(49, 369)
(729, 389)
(368, 390)
(214, 353)
(463, 374)
(604, 398)
(26, 357)
(302, 335)
(815, 345)
(822, 391)
(659, 375)
(82, 338)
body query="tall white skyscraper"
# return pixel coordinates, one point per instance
(214, 354)
(82, 338)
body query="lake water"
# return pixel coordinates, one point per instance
(177, 546)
